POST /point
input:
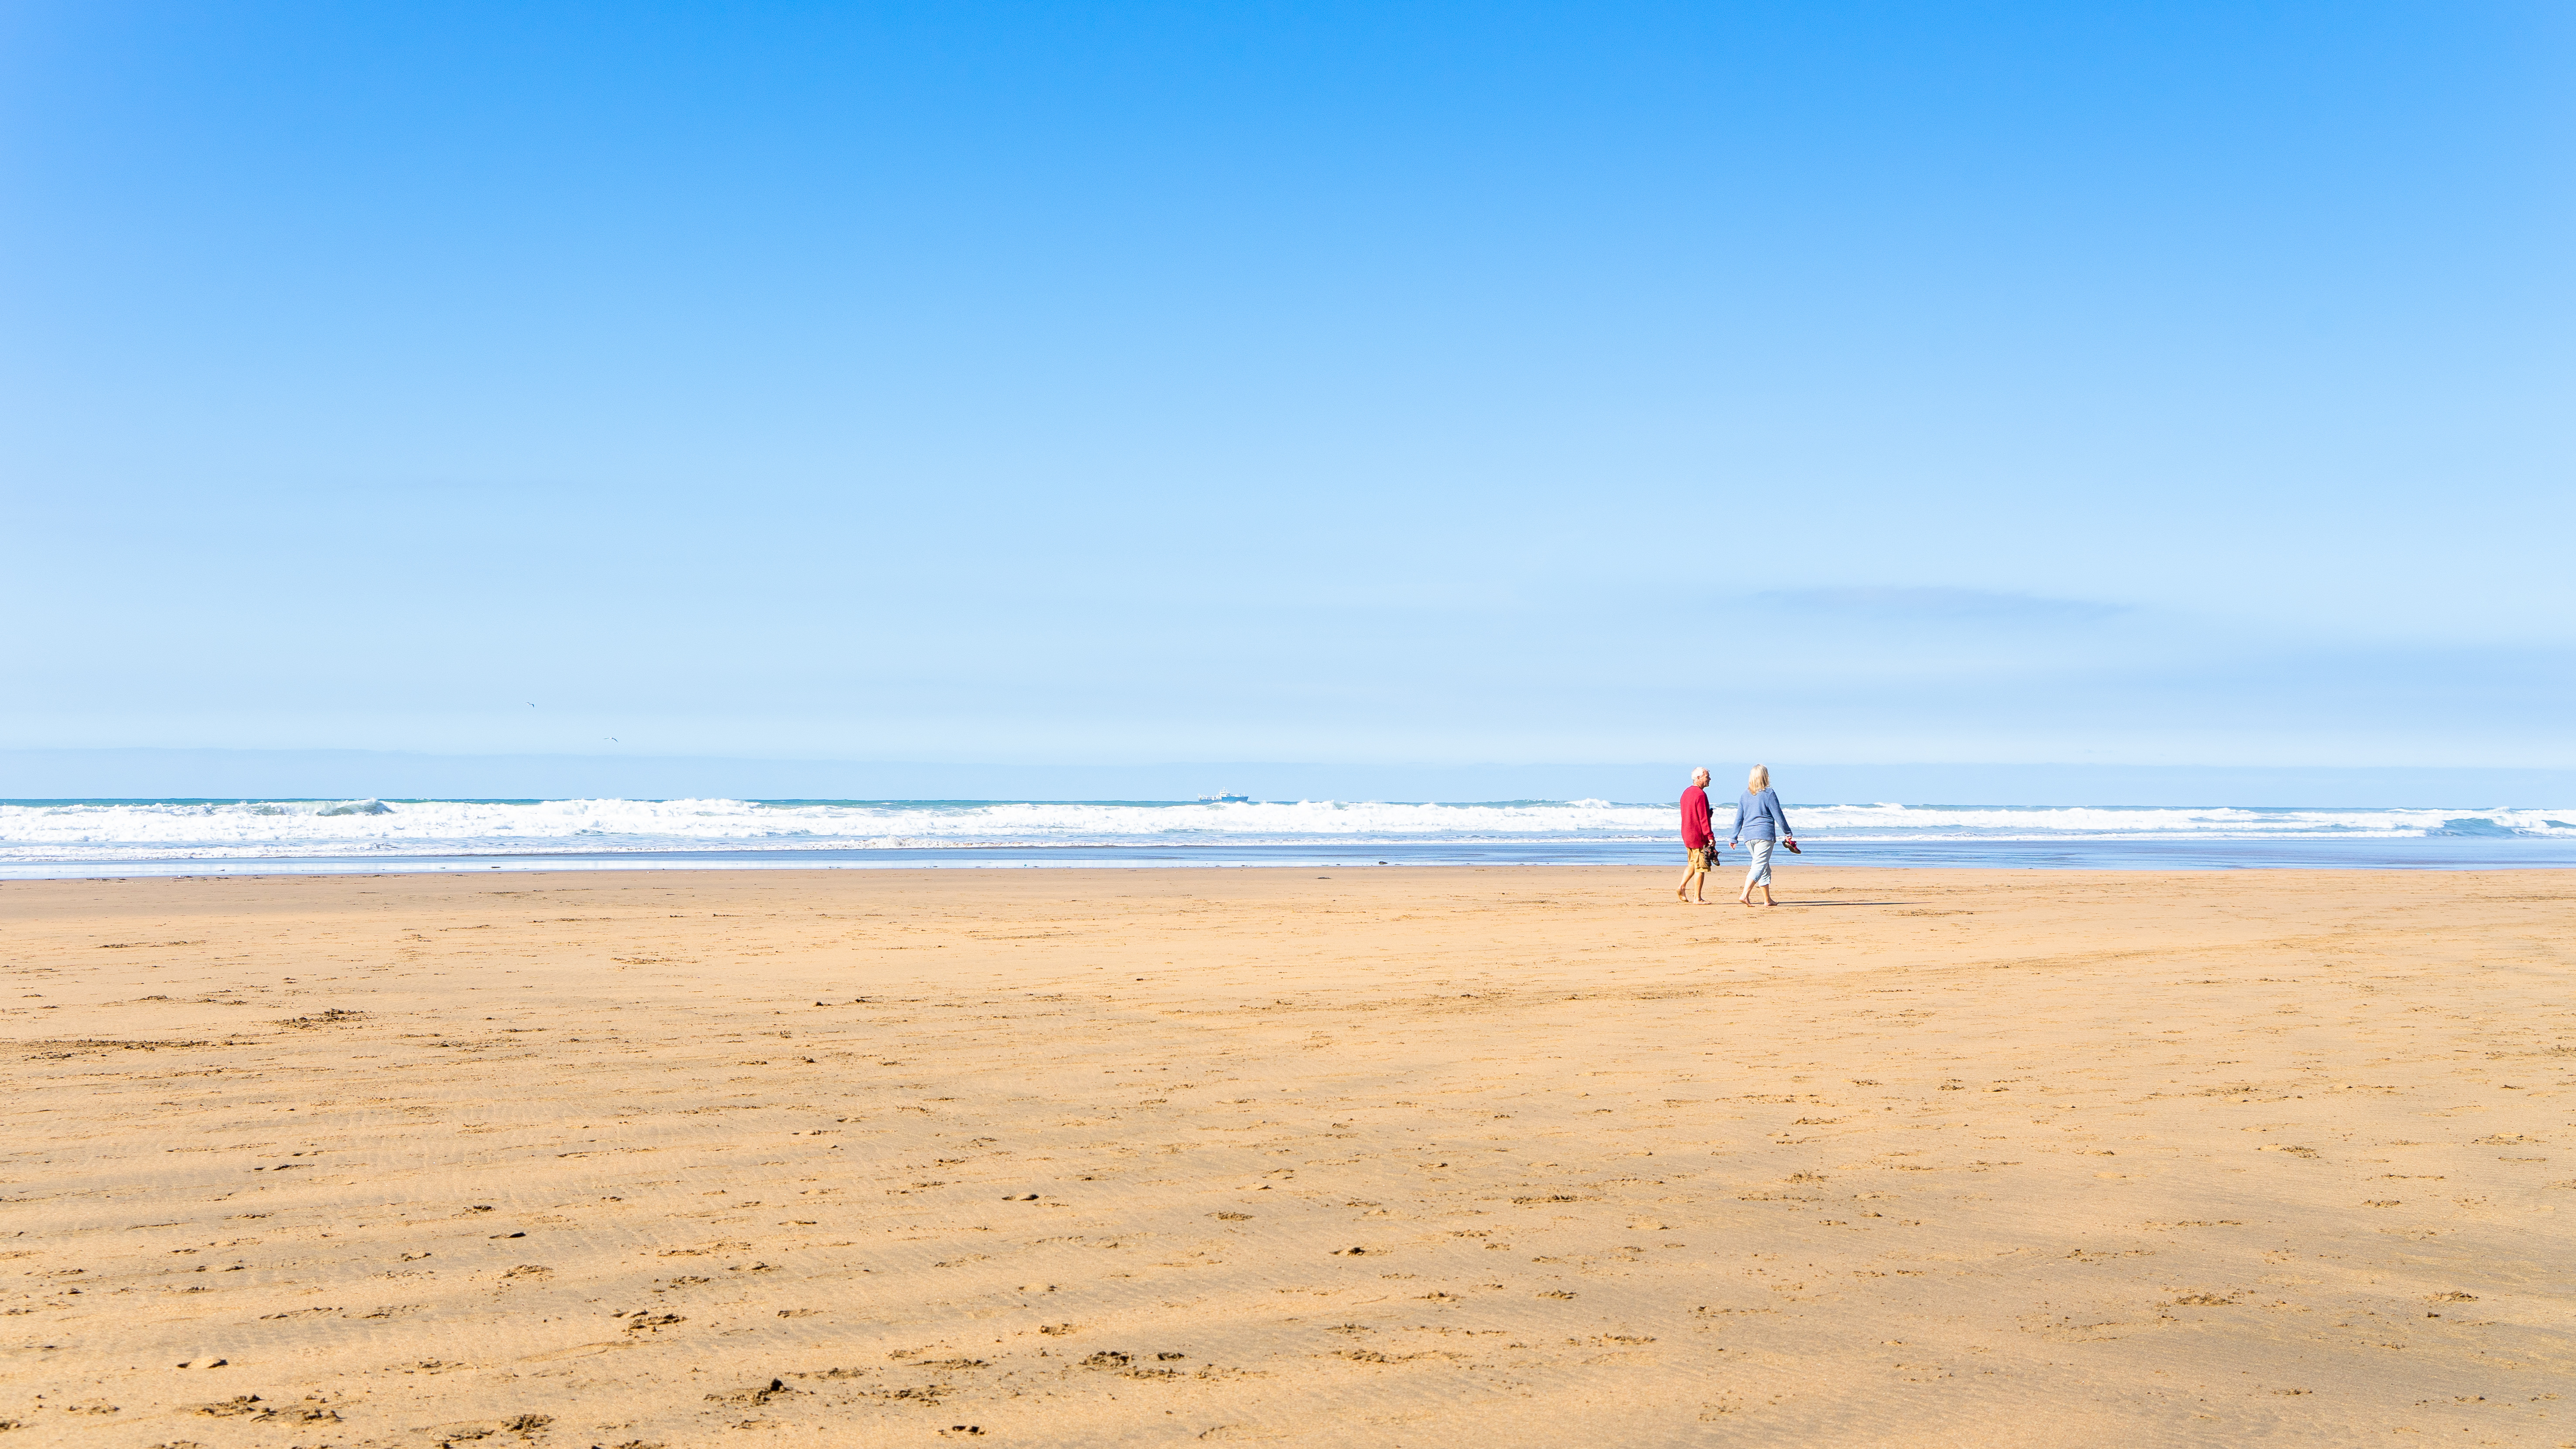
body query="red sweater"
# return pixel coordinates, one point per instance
(1695, 832)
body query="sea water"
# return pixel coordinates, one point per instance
(57, 838)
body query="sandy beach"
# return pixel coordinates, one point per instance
(1356, 1157)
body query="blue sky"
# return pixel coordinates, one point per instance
(2160, 384)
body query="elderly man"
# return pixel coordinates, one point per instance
(1698, 838)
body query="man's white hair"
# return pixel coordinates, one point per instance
(1701, 773)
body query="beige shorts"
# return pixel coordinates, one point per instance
(1700, 856)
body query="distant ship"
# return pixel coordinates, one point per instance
(1225, 799)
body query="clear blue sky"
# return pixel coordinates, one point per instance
(2159, 383)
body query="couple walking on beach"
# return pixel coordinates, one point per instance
(1759, 824)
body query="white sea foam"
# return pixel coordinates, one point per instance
(2095, 822)
(360, 829)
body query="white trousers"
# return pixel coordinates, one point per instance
(1760, 874)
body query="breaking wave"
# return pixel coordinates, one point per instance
(313, 830)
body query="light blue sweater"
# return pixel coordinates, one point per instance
(1756, 815)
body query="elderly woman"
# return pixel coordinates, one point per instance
(1760, 823)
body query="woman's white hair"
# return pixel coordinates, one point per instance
(1760, 779)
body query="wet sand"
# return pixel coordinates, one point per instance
(1394, 1157)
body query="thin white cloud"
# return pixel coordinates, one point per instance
(1939, 603)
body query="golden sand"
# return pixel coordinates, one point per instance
(1365, 1157)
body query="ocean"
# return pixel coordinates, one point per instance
(100, 838)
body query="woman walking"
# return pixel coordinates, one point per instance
(1760, 823)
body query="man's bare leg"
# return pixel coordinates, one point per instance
(1699, 888)
(1685, 889)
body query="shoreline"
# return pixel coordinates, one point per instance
(456, 836)
(1083, 1156)
(2403, 854)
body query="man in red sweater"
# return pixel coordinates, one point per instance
(1697, 837)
